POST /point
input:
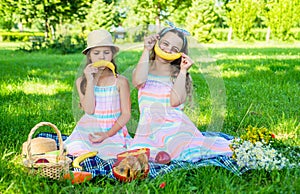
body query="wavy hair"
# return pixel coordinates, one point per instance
(175, 65)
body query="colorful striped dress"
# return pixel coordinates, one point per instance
(106, 113)
(165, 128)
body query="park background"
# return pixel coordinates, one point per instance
(256, 47)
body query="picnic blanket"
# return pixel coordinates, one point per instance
(100, 167)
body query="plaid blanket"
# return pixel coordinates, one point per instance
(100, 167)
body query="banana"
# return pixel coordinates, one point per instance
(167, 56)
(82, 157)
(103, 63)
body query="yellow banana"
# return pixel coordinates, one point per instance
(103, 63)
(82, 157)
(167, 56)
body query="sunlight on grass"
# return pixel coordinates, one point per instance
(261, 68)
(231, 73)
(12, 45)
(37, 88)
(287, 129)
(255, 57)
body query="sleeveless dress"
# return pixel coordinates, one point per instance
(165, 128)
(106, 113)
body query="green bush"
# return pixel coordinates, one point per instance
(258, 34)
(220, 33)
(18, 36)
(295, 33)
(65, 44)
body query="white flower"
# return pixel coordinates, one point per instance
(259, 156)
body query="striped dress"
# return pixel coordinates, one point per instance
(165, 128)
(106, 113)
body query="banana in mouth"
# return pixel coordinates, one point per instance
(167, 56)
(103, 63)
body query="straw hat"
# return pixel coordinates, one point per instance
(99, 38)
(39, 145)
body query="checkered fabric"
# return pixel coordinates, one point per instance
(100, 167)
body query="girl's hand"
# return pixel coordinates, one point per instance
(150, 41)
(90, 71)
(186, 63)
(97, 137)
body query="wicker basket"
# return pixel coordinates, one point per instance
(57, 165)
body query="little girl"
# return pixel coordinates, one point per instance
(105, 99)
(163, 86)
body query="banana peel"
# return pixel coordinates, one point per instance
(164, 55)
(82, 157)
(104, 63)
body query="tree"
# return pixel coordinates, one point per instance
(241, 15)
(179, 14)
(200, 20)
(52, 12)
(140, 12)
(7, 15)
(281, 16)
(221, 20)
(101, 15)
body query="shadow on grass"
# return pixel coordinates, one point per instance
(20, 112)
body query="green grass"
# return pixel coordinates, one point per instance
(250, 85)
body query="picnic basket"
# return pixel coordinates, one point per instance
(48, 165)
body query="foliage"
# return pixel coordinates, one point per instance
(140, 12)
(101, 15)
(295, 33)
(200, 20)
(281, 16)
(220, 9)
(66, 44)
(179, 15)
(241, 16)
(143, 17)
(51, 12)
(257, 34)
(7, 15)
(19, 36)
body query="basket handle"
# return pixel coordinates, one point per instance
(61, 147)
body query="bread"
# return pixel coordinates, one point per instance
(131, 165)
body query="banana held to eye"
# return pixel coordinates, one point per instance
(103, 63)
(167, 56)
(82, 157)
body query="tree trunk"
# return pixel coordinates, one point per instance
(46, 29)
(46, 22)
(157, 24)
(52, 32)
(268, 34)
(157, 19)
(229, 34)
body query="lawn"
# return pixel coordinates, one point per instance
(246, 85)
